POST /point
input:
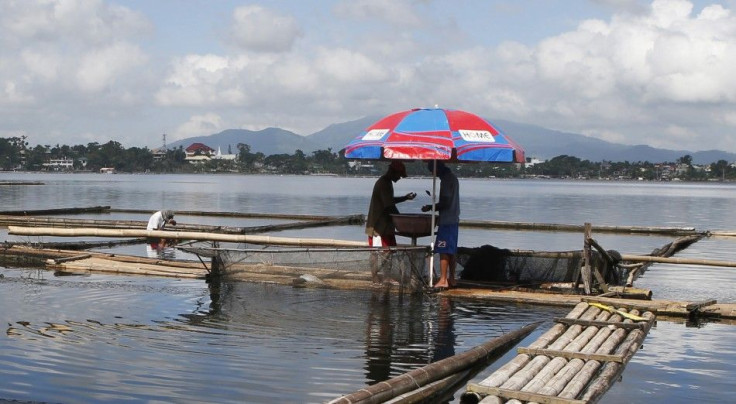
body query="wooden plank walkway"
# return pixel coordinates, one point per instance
(575, 361)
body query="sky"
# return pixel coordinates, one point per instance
(660, 73)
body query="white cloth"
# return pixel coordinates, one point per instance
(156, 222)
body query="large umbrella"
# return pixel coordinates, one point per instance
(434, 134)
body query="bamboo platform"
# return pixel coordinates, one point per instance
(576, 361)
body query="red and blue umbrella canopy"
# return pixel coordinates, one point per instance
(435, 134)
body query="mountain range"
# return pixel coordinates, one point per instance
(537, 141)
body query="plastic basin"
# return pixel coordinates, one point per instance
(413, 225)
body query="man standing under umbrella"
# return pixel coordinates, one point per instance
(448, 207)
(380, 226)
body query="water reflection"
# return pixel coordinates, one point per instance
(159, 251)
(379, 335)
(444, 345)
(400, 331)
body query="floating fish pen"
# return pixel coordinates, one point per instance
(561, 270)
(239, 253)
(401, 267)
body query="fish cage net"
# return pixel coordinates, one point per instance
(399, 265)
(495, 265)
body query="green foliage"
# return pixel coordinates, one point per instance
(16, 155)
(10, 152)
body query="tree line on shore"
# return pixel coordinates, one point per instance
(16, 155)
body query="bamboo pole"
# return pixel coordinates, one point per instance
(56, 211)
(725, 234)
(675, 260)
(631, 293)
(383, 391)
(180, 235)
(483, 224)
(11, 182)
(546, 254)
(127, 224)
(78, 245)
(230, 214)
(431, 390)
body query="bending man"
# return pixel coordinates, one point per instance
(158, 221)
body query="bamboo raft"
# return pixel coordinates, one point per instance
(575, 361)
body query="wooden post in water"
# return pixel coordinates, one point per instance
(587, 257)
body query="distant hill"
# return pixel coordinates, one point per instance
(267, 141)
(338, 135)
(546, 143)
(537, 141)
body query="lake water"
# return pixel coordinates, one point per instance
(95, 338)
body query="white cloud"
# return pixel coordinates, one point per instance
(78, 21)
(12, 96)
(202, 80)
(394, 12)
(634, 68)
(260, 29)
(42, 66)
(199, 125)
(98, 69)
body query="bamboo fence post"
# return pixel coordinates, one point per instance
(586, 259)
(596, 271)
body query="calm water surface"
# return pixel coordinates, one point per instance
(113, 338)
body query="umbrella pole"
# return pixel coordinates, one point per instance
(432, 233)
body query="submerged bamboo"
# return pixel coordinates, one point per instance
(383, 391)
(56, 211)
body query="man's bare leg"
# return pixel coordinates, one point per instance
(451, 278)
(444, 265)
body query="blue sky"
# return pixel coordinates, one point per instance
(626, 71)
